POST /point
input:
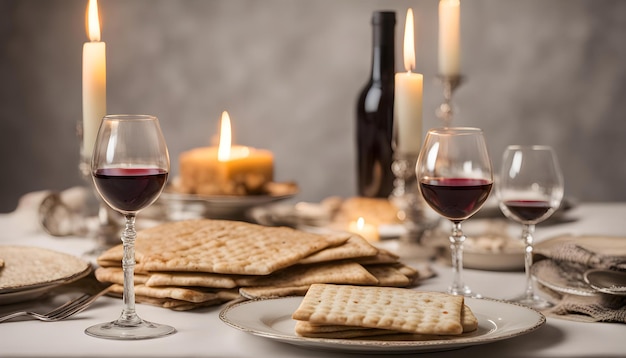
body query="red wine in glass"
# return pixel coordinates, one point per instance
(455, 198)
(529, 190)
(528, 210)
(129, 167)
(455, 177)
(130, 189)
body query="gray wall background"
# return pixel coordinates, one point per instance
(288, 71)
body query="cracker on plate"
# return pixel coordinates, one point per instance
(389, 308)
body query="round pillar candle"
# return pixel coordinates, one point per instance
(226, 169)
(449, 34)
(408, 97)
(94, 82)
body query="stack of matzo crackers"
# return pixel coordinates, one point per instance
(345, 311)
(187, 264)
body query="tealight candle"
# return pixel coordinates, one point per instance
(368, 231)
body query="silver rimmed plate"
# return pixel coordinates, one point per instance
(182, 206)
(607, 281)
(561, 277)
(568, 277)
(497, 320)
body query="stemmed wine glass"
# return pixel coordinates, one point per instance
(455, 178)
(530, 189)
(130, 166)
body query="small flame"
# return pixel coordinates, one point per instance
(409, 42)
(93, 21)
(223, 151)
(360, 223)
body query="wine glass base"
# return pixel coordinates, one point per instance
(532, 301)
(463, 291)
(141, 330)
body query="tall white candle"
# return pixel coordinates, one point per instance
(94, 81)
(408, 97)
(449, 34)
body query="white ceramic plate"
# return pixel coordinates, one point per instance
(491, 244)
(271, 318)
(503, 261)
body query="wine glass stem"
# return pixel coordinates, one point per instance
(129, 315)
(527, 236)
(456, 249)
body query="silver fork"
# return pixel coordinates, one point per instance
(64, 311)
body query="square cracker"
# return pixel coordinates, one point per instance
(116, 275)
(390, 308)
(198, 279)
(388, 275)
(173, 304)
(307, 329)
(180, 293)
(221, 246)
(356, 246)
(158, 279)
(342, 272)
(264, 292)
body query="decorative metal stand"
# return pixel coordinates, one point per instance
(109, 222)
(450, 84)
(408, 200)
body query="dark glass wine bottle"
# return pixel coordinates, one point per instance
(375, 113)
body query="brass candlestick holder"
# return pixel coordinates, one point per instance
(450, 84)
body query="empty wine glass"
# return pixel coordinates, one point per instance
(529, 189)
(130, 165)
(455, 178)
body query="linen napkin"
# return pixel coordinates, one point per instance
(579, 254)
(600, 308)
(575, 253)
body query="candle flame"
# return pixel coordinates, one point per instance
(409, 42)
(360, 223)
(223, 151)
(93, 21)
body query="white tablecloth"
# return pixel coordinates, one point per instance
(202, 334)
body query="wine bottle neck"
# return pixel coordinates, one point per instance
(383, 48)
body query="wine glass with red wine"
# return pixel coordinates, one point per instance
(455, 178)
(529, 189)
(129, 166)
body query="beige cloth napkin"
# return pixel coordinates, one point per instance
(600, 308)
(580, 254)
(576, 253)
